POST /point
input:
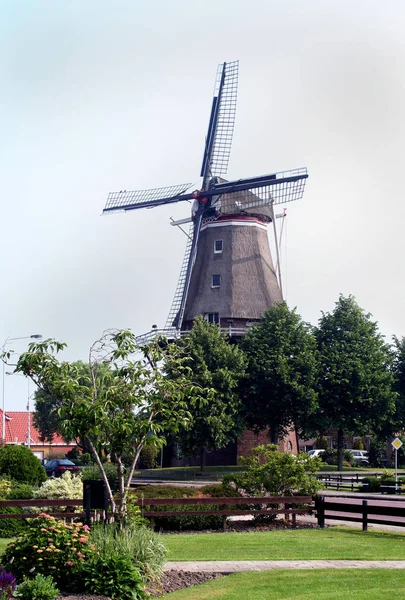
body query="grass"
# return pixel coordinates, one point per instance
(189, 473)
(3, 544)
(306, 544)
(339, 584)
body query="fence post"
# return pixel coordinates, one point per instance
(286, 515)
(152, 519)
(320, 508)
(365, 514)
(294, 516)
(224, 518)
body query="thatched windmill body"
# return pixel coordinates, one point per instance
(227, 275)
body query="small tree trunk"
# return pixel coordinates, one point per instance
(202, 459)
(104, 476)
(340, 449)
(123, 496)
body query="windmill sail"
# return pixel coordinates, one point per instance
(178, 295)
(222, 120)
(124, 200)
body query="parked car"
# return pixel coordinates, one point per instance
(317, 452)
(361, 457)
(56, 467)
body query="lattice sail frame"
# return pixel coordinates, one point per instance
(122, 200)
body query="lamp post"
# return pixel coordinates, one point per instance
(34, 336)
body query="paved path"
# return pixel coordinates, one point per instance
(237, 566)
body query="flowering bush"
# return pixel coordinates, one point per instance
(66, 486)
(51, 547)
(7, 584)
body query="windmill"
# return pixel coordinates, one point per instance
(227, 273)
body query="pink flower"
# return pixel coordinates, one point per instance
(83, 540)
(80, 555)
(86, 528)
(69, 563)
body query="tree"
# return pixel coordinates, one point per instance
(123, 403)
(46, 414)
(356, 379)
(217, 366)
(20, 463)
(279, 387)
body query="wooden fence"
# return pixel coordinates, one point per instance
(228, 507)
(363, 511)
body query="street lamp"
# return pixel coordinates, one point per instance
(34, 336)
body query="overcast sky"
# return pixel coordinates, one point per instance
(98, 96)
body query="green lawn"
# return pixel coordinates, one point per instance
(189, 473)
(339, 584)
(305, 544)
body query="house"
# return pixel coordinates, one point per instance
(19, 425)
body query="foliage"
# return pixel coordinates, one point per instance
(20, 491)
(5, 486)
(377, 454)
(217, 367)
(50, 546)
(39, 588)
(123, 400)
(330, 457)
(358, 444)
(281, 372)
(321, 443)
(93, 472)
(19, 463)
(165, 491)
(149, 457)
(142, 545)
(11, 527)
(58, 488)
(219, 490)
(181, 523)
(115, 575)
(7, 584)
(355, 379)
(399, 386)
(275, 473)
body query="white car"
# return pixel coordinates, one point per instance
(316, 452)
(361, 457)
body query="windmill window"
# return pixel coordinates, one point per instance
(216, 281)
(218, 246)
(212, 318)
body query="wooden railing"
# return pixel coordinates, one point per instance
(68, 514)
(363, 510)
(229, 507)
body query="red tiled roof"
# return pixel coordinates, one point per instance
(17, 429)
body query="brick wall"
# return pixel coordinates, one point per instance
(250, 439)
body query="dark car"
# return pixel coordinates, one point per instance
(56, 467)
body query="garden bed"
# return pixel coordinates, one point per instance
(177, 580)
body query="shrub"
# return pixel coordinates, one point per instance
(20, 491)
(219, 490)
(149, 457)
(142, 545)
(11, 527)
(114, 575)
(19, 463)
(66, 486)
(93, 472)
(180, 523)
(49, 546)
(5, 486)
(330, 457)
(358, 444)
(7, 584)
(39, 588)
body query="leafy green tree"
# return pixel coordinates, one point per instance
(279, 387)
(123, 403)
(356, 379)
(20, 463)
(217, 366)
